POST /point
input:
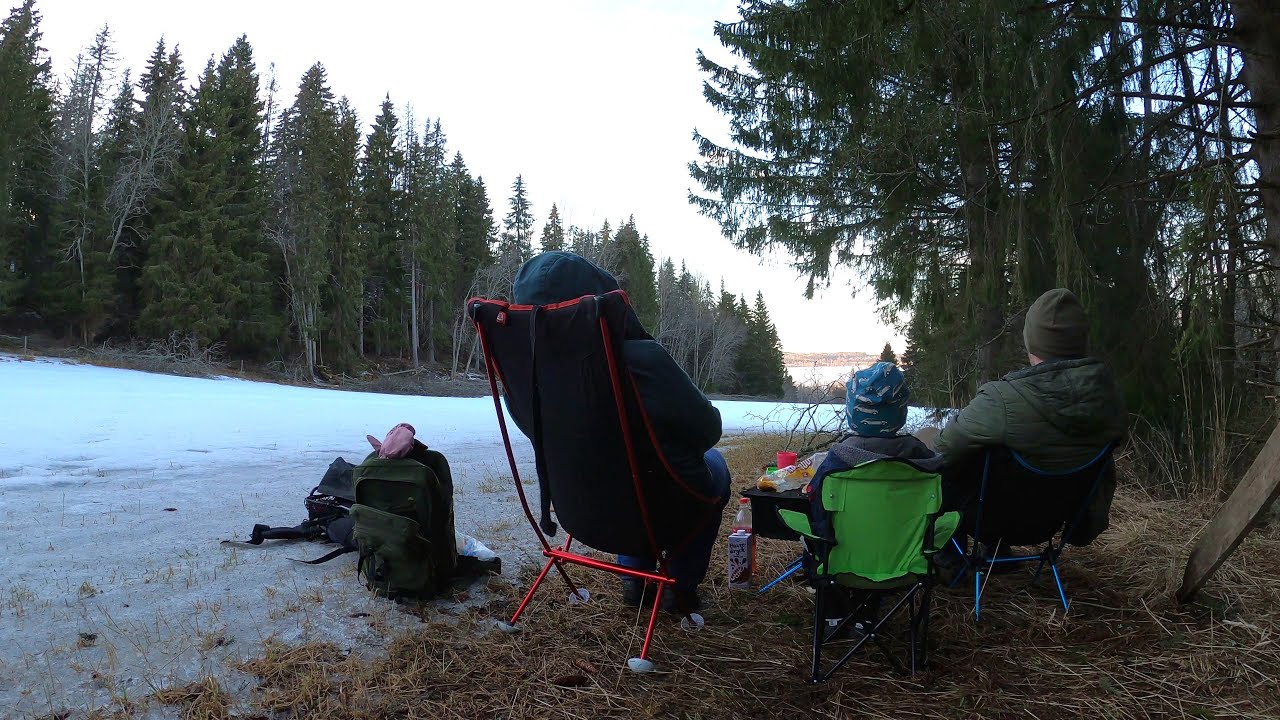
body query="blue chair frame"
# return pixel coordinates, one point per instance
(976, 560)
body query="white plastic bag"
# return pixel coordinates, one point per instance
(471, 547)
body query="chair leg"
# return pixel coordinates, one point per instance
(819, 631)
(1062, 593)
(653, 621)
(924, 624)
(529, 595)
(977, 595)
(920, 628)
(1039, 568)
(913, 615)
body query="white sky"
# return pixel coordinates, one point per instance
(593, 102)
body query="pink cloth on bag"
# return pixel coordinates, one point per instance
(396, 445)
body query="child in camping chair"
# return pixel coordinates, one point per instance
(875, 410)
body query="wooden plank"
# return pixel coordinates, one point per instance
(1229, 526)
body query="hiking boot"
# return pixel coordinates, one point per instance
(636, 592)
(681, 602)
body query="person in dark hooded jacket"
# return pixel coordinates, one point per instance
(1059, 413)
(686, 424)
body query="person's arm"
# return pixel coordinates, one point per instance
(677, 409)
(980, 424)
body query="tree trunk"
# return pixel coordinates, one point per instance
(1256, 22)
(431, 331)
(985, 282)
(413, 309)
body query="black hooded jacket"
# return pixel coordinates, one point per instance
(686, 424)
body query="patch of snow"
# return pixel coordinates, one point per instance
(116, 487)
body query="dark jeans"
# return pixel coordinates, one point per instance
(689, 564)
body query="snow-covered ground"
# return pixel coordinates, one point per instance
(116, 487)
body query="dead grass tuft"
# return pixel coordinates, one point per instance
(201, 700)
(1125, 650)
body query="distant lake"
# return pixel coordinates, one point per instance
(822, 375)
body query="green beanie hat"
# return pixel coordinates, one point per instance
(1056, 327)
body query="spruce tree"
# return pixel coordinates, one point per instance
(379, 211)
(760, 365)
(633, 266)
(517, 226)
(344, 292)
(238, 128)
(552, 232)
(189, 275)
(26, 120)
(429, 230)
(887, 354)
(476, 229)
(438, 256)
(304, 160)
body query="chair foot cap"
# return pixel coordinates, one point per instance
(507, 627)
(693, 622)
(641, 665)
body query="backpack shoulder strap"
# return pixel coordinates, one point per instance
(326, 558)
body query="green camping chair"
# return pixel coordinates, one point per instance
(887, 525)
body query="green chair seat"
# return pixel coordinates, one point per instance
(886, 521)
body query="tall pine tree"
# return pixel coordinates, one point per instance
(760, 364)
(632, 263)
(305, 160)
(379, 204)
(238, 128)
(344, 292)
(517, 226)
(189, 274)
(552, 232)
(26, 119)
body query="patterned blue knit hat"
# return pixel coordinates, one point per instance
(876, 401)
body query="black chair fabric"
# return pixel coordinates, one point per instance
(555, 373)
(1028, 507)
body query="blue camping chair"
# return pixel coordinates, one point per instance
(1022, 504)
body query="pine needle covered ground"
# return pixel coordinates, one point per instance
(1125, 650)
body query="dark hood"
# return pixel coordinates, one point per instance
(558, 276)
(1071, 395)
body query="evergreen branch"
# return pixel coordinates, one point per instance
(1153, 22)
(1186, 101)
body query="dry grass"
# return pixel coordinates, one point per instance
(203, 700)
(1125, 650)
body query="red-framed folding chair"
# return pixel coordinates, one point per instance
(567, 388)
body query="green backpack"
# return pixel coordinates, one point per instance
(403, 517)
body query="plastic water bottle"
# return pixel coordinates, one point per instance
(743, 520)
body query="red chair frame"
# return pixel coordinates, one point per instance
(559, 557)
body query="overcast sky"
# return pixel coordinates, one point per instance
(593, 102)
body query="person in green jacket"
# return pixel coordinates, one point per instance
(1059, 413)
